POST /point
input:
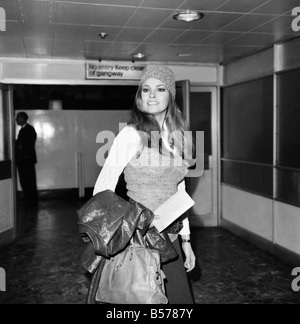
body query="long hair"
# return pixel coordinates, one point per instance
(176, 124)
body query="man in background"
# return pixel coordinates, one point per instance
(26, 159)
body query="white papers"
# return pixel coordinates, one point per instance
(171, 209)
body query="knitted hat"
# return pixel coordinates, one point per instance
(163, 74)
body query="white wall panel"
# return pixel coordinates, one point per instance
(249, 68)
(41, 71)
(251, 212)
(91, 123)
(61, 135)
(6, 211)
(287, 226)
(56, 146)
(196, 74)
(287, 55)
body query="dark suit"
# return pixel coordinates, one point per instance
(26, 160)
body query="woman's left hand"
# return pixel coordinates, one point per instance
(190, 259)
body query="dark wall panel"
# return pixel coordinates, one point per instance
(253, 178)
(74, 97)
(247, 121)
(289, 119)
(288, 179)
(288, 183)
(247, 136)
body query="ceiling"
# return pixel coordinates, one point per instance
(69, 29)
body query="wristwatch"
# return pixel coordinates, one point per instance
(186, 241)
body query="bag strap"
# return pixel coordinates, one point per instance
(91, 296)
(138, 238)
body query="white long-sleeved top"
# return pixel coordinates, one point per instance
(125, 146)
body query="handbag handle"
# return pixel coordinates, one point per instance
(138, 238)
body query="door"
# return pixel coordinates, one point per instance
(199, 106)
(7, 186)
(204, 190)
(183, 97)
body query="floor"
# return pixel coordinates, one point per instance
(42, 266)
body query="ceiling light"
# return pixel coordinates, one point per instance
(103, 35)
(138, 55)
(184, 55)
(188, 15)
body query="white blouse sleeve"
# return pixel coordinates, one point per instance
(186, 225)
(181, 186)
(123, 149)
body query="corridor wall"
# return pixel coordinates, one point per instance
(253, 207)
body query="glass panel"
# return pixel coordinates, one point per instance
(183, 97)
(255, 178)
(288, 181)
(247, 121)
(289, 119)
(289, 187)
(201, 121)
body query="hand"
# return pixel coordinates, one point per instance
(190, 259)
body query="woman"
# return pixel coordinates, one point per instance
(154, 170)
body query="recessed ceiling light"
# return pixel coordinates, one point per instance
(188, 15)
(103, 35)
(138, 55)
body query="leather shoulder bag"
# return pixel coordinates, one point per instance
(133, 276)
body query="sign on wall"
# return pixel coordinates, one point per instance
(114, 70)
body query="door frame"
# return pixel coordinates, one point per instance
(214, 159)
(9, 235)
